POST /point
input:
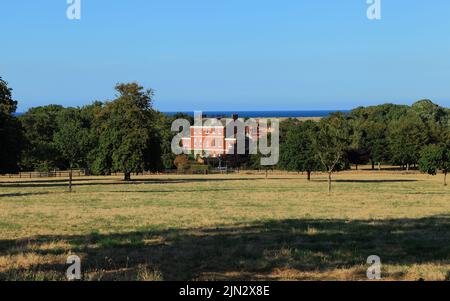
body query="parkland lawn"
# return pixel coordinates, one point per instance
(227, 227)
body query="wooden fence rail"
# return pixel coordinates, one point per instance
(51, 174)
(81, 173)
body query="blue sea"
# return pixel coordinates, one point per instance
(264, 114)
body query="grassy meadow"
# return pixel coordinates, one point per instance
(227, 227)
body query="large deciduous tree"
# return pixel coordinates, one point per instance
(126, 122)
(331, 143)
(358, 152)
(376, 142)
(10, 131)
(297, 151)
(435, 158)
(407, 137)
(40, 152)
(429, 112)
(72, 139)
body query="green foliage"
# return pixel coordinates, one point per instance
(11, 139)
(11, 135)
(375, 142)
(254, 162)
(8, 106)
(332, 142)
(89, 115)
(382, 113)
(127, 135)
(357, 152)
(368, 141)
(397, 133)
(434, 158)
(407, 137)
(183, 116)
(72, 138)
(160, 154)
(430, 112)
(40, 152)
(297, 151)
(125, 131)
(370, 129)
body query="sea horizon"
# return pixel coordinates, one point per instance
(255, 114)
(263, 113)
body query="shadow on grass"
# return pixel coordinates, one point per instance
(179, 190)
(9, 195)
(242, 251)
(102, 182)
(369, 181)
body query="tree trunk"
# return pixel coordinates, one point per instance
(70, 179)
(373, 165)
(356, 166)
(407, 167)
(309, 175)
(267, 173)
(379, 166)
(445, 179)
(127, 176)
(329, 182)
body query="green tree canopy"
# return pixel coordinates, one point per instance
(332, 142)
(72, 139)
(297, 151)
(8, 106)
(358, 152)
(407, 137)
(40, 125)
(375, 142)
(11, 135)
(434, 158)
(430, 112)
(124, 139)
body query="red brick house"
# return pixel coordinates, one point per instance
(211, 141)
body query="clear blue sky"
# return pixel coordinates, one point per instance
(228, 54)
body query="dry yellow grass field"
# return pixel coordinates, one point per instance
(227, 227)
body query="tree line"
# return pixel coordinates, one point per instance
(122, 135)
(128, 135)
(405, 136)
